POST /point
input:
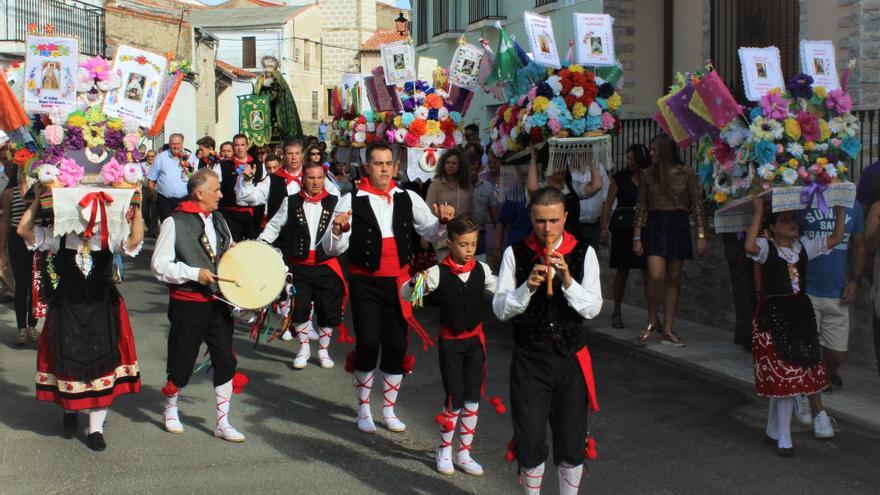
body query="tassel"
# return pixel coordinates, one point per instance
(510, 455)
(592, 454)
(498, 404)
(239, 380)
(409, 362)
(169, 389)
(349, 361)
(345, 336)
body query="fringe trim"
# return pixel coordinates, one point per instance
(577, 154)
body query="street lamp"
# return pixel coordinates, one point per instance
(401, 22)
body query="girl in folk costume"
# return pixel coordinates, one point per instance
(458, 282)
(86, 353)
(785, 342)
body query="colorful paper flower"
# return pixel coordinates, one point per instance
(578, 110)
(800, 86)
(98, 67)
(111, 172)
(53, 134)
(774, 105)
(789, 176)
(824, 130)
(763, 129)
(765, 152)
(69, 173)
(608, 121)
(767, 172)
(809, 126)
(838, 101)
(418, 127)
(432, 127)
(613, 102)
(792, 129)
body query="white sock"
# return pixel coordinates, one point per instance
(390, 389)
(223, 394)
(773, 419)
(363, 384)
(324, 335)
(467, 426)
(302, 332)
(96, 420)
(569, 478)
(786, 408)
(446, 435)
(531, 478)
(171, 405)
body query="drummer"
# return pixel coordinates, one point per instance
(381, 222)
(300, 222)
(191, 242)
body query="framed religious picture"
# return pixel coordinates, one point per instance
(465, 67)
(594, 39)
(539, 30)
(141, 74)
(761, 71)
(51, 65)
(399, 62)
(818, 61)
(426, 68)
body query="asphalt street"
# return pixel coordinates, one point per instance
(660, 429)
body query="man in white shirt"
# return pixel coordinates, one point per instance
(168, 175)
(300, 223)
(551, 375)
(191, 242)
(591, 207)
(379, 229)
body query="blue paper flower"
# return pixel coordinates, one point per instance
(765, 152)
(545, 90)
(594, 122)
(406, 119)
(432, 114)
(539, 119)
(602, 103)
(578, 126)
(851, 146)
(456, 117)
(368, 114)
(755, 113)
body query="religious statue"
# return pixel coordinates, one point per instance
(284, 115)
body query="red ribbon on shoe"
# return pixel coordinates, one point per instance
(96, 200)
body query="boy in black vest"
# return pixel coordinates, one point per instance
(379, 228)
(459, 283)
(191, 242)
(551, 377)
(301, 221)
(237, 209)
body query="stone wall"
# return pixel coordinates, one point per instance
(706, 298)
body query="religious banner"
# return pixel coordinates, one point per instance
(539, 30)
(594, 39)
(465, 67)
(137, 97)
(761, 71)
(399, 61)
(255, 118)
(51, 66)
(818, 61)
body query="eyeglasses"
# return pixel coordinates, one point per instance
(315, 153)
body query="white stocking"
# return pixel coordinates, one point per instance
(223, 394)
(773, 419)
(468, 426)
(363, 384)
(96, 420)
(302, 332)
(531, 478)
(324, 334)
(390, 389)
(569, 478)
(786, 408)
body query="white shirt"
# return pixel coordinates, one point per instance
(813, 246)
(257, 194)
(45, 241)
(591, 208)
(313, 218)
(432, 281)
(585, 296)
(163, 265)
(426, 224)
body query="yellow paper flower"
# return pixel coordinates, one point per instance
(809, 145)
(793, 163)
(433, 127)
(820, 91)
(578, 110)
(841, 168)
(613, 102)
(577, 68)
(822, 161)
(509, 113)
(76, 121)
(538, 105)
(397, 122)
(720, 197)
(825, 131)
(792, 129)
(115, 124)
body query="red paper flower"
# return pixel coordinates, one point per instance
(433, 101)
(22, 156)
(418, 127)
(447, 126)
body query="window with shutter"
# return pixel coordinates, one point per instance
(249, 52)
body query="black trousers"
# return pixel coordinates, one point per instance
(241, 225)
(742, 283)
(876, 337)
(191, 324)
(22, 260)
(546, 387)
(378, 324)
(461, 368)
(318, 285)
(165, 205)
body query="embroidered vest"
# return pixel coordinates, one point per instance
(295, 233)
(366, 237)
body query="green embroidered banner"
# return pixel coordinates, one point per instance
(255, 119)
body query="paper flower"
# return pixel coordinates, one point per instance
(98, 67)
(809, 126)
(578, 110)
(774, 105)
(421, 112)
(824, 130)
(133, 173)
(418, 127)
(69, 173)
(112, 81)
(53, 134)
(792, 129)
(432, 127)
(838, 101)
(608, 121)
(131, 141)
(433, 102)
(765, 152)
(84, 81)
(763, 129)
(800, 86)
(540, 104)
(795, 149)
(47, 174)
(613, 102)
(578, 126)
(767, 172)
(851, 146)
(789, 176)
(111, 172)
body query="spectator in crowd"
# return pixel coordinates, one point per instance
(208, 157)
(169, 174)
(623, 191)
(151, 215)
(452, 184)
(341, 174)
(19, 258)
(667, 193)
(472, 133)
(322, 131)
(315, 155)
(226, 151)
(485, 207)
(872, 247)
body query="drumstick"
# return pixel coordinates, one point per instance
(236, 282)
(549, 272)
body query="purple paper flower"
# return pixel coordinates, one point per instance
(113, 139)
(800, 86)
(838, 101)
(409, 104)
(605, 90)
(545, 90)
(73, 138)
(774, 106)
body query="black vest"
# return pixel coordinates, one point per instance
(191, 246)
(277, 193)
(775, 278)
(548, 324)
(461, 303)
(366, 238)
(295, 236)
(228, 179)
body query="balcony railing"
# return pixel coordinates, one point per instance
(445, 17)
(541, 3)
(68, 17)
(421, 15)
(480, 10)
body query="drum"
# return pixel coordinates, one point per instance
(251, 274)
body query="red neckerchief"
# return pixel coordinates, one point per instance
(238, 162)
(457, 269)
(313, 199)
(190, 206)
(568, 243)
(366, 186)
(287, 176)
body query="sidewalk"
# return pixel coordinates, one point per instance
(710, 351)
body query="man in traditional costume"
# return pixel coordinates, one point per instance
(191, 242)
(551, 376)
(238, 211)
(378, 234)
